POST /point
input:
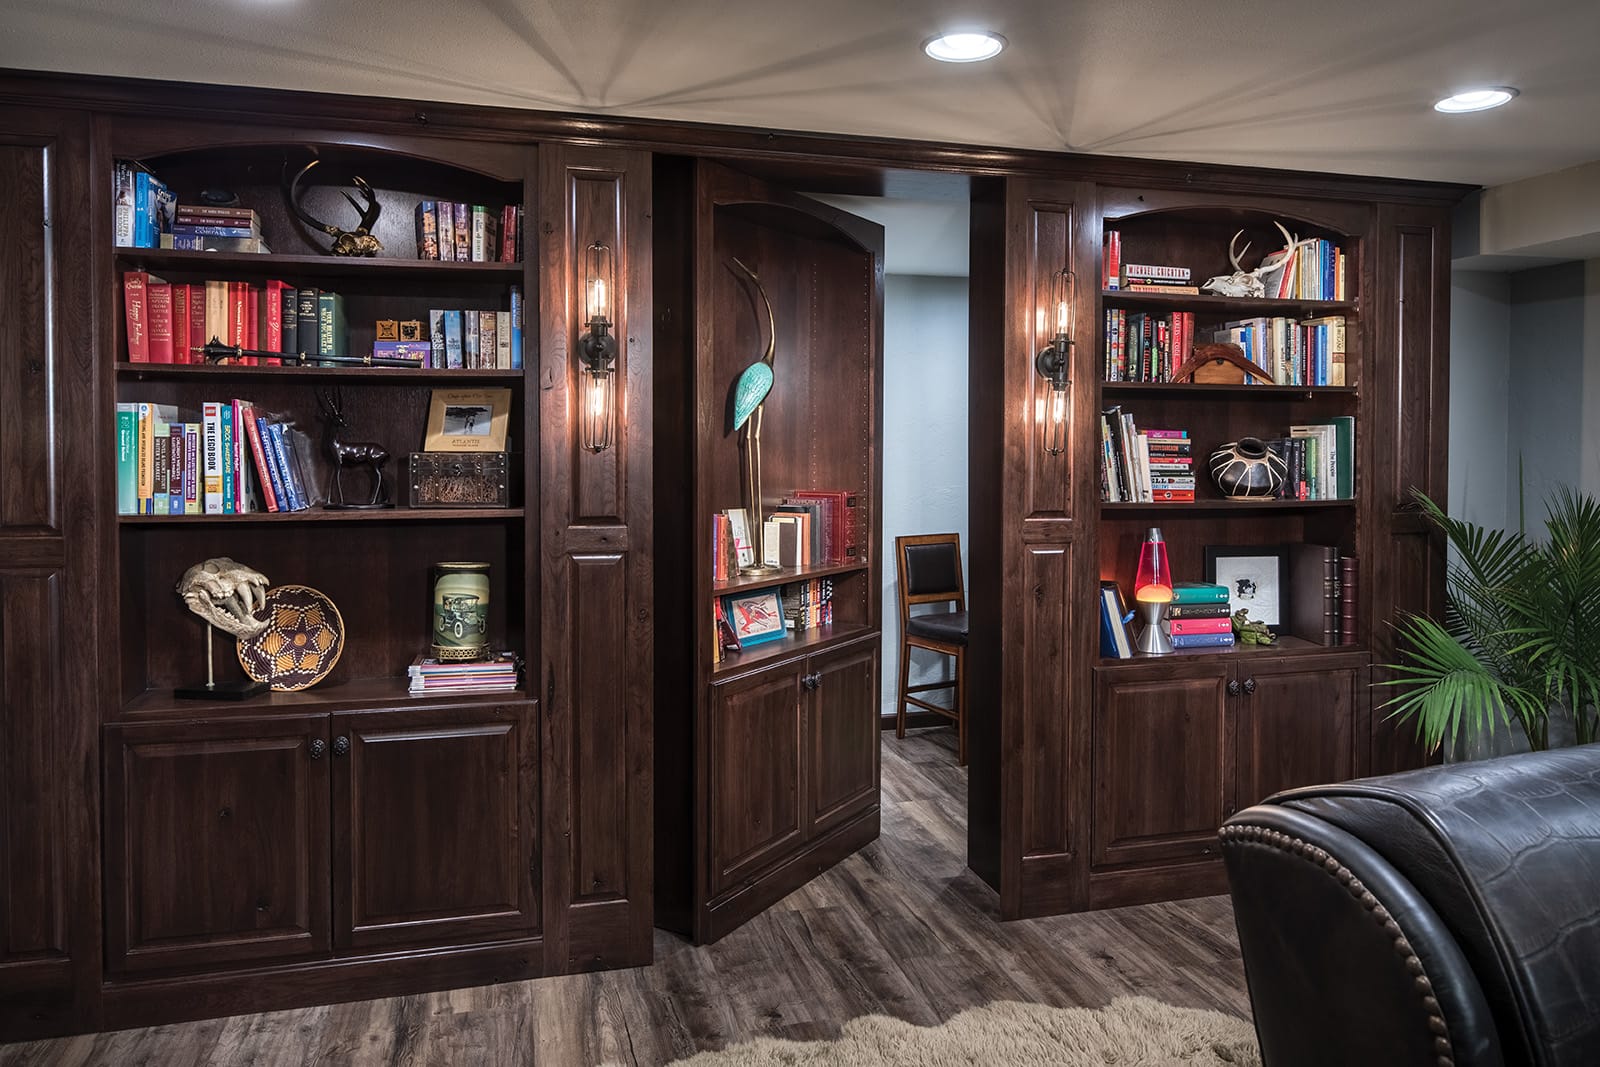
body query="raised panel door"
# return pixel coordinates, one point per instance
(216, 843)
(1295, 726)
(433, 825)
(842, 717)
(1161, 767)
(754, 775)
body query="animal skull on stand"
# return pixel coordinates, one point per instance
(225, 594)
(1251, 283)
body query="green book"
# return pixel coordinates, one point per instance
(331, 337)
(127, 459)
(1344, 454)
(1199, 593)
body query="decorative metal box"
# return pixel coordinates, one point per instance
(459, 479)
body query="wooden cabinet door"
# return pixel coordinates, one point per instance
(433, 825)
(1295, 725)
(842, 722)
(1161, 765)
(216, 843)
(754, 774)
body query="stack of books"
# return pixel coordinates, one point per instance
(1156, 278)
(468, 233)
(1320, 456)
(1153, 466)
(497, 674)
(1199, 617)
(215, 228)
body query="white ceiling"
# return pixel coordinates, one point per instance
(1305, 84)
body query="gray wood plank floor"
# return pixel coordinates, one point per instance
(901, 928)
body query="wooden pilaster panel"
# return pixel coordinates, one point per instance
(1025, 230)
(596, 622)
(1406, 557)
(49, 562)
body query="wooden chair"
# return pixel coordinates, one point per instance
(929, 568)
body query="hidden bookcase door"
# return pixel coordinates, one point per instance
(767, 772)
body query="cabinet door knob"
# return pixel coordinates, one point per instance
(1249, 686)
(341, 746)
(1233, 687)
(318, 746)
(811, 681)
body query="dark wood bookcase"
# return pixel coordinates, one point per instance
(767, 761)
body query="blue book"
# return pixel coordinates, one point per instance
(269, 457)
(143, 210)
(1201, 640)
(228, 473)
(453, 334)
(190, 230)
(516, 327)
(291, 484)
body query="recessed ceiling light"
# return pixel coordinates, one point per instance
(1475, 100)
(967, 47)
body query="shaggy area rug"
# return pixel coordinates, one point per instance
(1129, 1032)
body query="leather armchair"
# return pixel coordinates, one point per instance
(1447, 917)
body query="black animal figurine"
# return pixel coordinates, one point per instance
(344, 454)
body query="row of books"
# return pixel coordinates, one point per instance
(1151, 465)
(1315, 270)
(468, 233)
(142, 206)
(471, 340)
(1307, 352)
(232, 459)
(809, 527)
(170, 322)
(1320, 457)
(496, 674)
(1142, 347)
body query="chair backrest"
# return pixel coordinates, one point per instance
(929, 568)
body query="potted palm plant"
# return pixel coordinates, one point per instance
(1520, 640)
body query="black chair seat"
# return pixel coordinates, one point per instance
(949, 627)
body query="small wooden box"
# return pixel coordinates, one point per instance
(459, 479)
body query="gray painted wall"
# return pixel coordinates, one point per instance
(924, 439)
(1545, 424)
(1480, 385)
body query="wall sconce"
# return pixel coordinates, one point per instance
(597, 348)
(1152, 590)
(1054, 364)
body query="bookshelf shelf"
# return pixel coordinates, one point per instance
(247, 265)
(806, 643)
(1213, 507)
(1286, 645)
(1230, 392)
(787, 575)
(191, 372)
(324, 515)
(1226, 305)
(355, 693)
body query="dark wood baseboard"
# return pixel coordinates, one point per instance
(149, 1002)
(1145, 885)
(916, 720)
(729, 913)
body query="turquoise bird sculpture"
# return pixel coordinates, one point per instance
(751, 390)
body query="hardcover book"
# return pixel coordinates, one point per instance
(1314, 593)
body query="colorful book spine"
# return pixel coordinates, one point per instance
(191, 468)
(258, 455)
(135, 311)
(158, 301)
(452, 340)
(480, 233)
(211, 464)
(1199, 593)
(516, 327)
(127, 459)
(427, 230)
(269, 456)
(471, 350)
(1202, 640)
(175, 471)
(502, 340)
(1113, 257)
(1222, 625)
(291, 480)
(225, 447)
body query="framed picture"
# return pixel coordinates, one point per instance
(468, 420)
(1256, 577)
(755, 617)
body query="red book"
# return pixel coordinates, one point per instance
(252, 316)
(1173, 495)
(238, 305)
(158, 297)
(247, 413)
(180, 324)
(272, 320)
(1200, 626)
(508, 234)
(197, 323)
(134, 287)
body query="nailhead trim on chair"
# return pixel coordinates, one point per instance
(1444, 1055)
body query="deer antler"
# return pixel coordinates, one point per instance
(356, 242)
(1235, 257)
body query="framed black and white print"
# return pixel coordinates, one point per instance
(1257, 580)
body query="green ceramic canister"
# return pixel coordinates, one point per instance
(460, 611)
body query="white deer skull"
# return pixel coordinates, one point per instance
(1251, 283)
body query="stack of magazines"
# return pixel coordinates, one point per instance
(496, 674)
